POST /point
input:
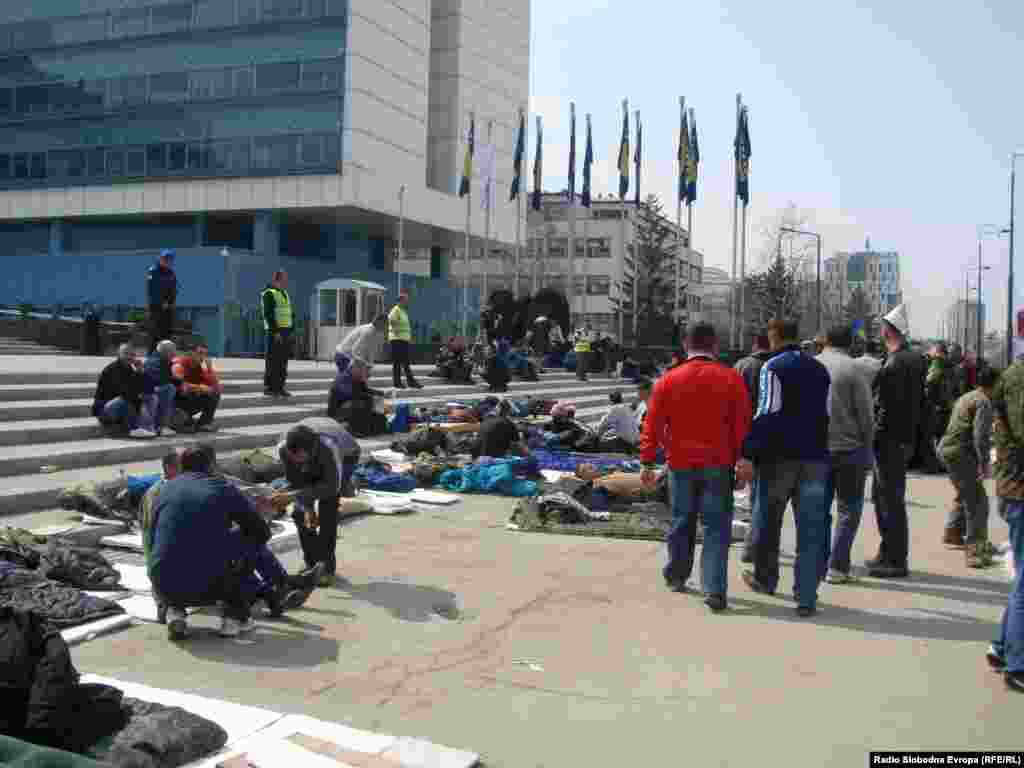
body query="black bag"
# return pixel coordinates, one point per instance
(428, 440)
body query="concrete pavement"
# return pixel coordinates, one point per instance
(538, 650)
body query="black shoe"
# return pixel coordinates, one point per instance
(805, 611)
(677, 585)
(755, 585)
(161, 613)
(284, 393)
(308, 578)
(275, 601)
(415, 385)
(995, 662)
(747, 557)
(876, 560)
(268, 392)
(1015, 681)
(888, 571)
(716, 603)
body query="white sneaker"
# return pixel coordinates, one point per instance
(142, 434)
(838, 577)
(177, 624)
(168, 432)
(233, 628)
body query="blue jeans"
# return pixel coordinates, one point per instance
(1010, 643)
(848, 476)
(266, 572)
(707, 492)
(804, 483)
(164, 405)
(119, 413)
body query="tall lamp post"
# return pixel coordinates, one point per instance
(1009, 279)
(817, 237)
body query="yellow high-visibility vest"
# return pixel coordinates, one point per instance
(282, 309)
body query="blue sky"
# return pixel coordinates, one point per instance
(881, 119)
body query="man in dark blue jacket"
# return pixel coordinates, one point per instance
(788, 447)
(195, 559)
(162, 294)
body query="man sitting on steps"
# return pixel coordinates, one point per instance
(161, 381)
(200, 389)
(120, 403)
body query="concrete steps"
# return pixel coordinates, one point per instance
(48, 438)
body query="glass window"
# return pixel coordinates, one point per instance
(316, 8)
(128, 91)
(135, 161)
(130, 23)
(95, 160)
(321, 75)
(599, 285)
(197, 157)
(168, 87)
(579, 285)
(31, 34)
(312, 150)
(241, 156)
(558, 248)
(371, 306)
(5, 166)
(83, 29)
(37, 165)
(213, 84)
(6, 100)
(348, 308)
(171, 18)
(215, 13)
(277, 76)
(220, 156)
(91, 94)
(274, 153)
(282, 9)
(330, 150)
(329, 309)
(21, 166)
(250, 11)
(32, 99)
(177, 156)
(115, 162)
(67, 163)
(156, 159)
(243, 81)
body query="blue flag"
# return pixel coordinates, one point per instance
(743, 157)
(538, 167)
(517, 159)
(467, 162)
(624, 153)
(684, 153)
(588, 161)
(693, 163)
(572, 153)
(638, 159)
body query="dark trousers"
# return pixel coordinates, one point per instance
(161, 323)
(227, 589)
(804, 483)
(203, 403)
(400, 362)
(848, 476)
(582, 365)
(275, 362)
(318, 545)
(970, 508)
(888, 492)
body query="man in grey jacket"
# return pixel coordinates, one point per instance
(364, 343)
(749, 368)
(850, 436)
(319, 457)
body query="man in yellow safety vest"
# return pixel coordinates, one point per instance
(582, 349)
(400, 336)
(278, 323)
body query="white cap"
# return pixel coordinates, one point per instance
(898, 319)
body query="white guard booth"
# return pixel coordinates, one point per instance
(339, 305)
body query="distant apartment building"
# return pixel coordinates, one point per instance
(876, 273)
(603, 270)
(961, 323)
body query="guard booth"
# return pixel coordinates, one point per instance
(339, 305)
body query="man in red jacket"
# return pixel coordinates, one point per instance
(700, 413)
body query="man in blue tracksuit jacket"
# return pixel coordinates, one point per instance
(162, 295)
(788, 447)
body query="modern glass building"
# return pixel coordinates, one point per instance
(251, 135)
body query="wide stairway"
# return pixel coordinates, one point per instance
(49, 439)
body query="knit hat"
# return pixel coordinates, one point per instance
(563, 408)
(300, 438)
(898, 319)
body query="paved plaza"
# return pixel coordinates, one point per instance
(538, 650)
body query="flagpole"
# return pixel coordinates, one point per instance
(622, 233)
(489, 183)
(689, 211)
(679, 217)
(465, 277)
(401, 234)
(519, 208)
(636, 256)
(735, 239)
(743, 276)
(572, 214)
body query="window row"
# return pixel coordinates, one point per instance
(171, 88)
(239, 157)
(161, 20)
(558, 247)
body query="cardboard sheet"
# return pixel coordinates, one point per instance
(86, 632)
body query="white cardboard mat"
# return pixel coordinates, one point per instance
(86, 632)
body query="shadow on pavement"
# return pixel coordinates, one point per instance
(964, 594)
(266, 646)
(408, 602)
(932, 625)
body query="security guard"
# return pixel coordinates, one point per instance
(278, 323)
(162, 293)
(582, 353)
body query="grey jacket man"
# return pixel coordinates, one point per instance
(851, 409)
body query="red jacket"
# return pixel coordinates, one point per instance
(197, 378)
(700, 412)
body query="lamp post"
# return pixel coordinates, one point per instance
(817, 237)
(1009, 279)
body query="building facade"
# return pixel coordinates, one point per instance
(876, 273)
(251, 135)
(961, 324)
(604, 267)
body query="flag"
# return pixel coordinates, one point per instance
(572, 153)
(538, 166)
(488, 163)
(858, 329)
(743, 157)
(684, 154)
(467, 163)
(624, 153)
(693, 163)
(517, 159)
(638, 158)
(588, 161)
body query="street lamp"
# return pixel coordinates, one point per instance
(1009, 279)
(817, 237)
